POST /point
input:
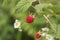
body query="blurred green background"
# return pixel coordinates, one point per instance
(10, 10)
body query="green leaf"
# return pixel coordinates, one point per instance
(40, 6)
(39, 20)
(54, 25)
(23, 5)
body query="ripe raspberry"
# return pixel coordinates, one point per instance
(38, 35)
(29, 18)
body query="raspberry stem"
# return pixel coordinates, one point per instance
(49, 22)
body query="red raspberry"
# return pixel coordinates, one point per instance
(30, 19)
(38, 35)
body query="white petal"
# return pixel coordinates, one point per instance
(16, 20)
(52, 39)
(49, 37)
(17, 26)
(43, 34)
(45, 29)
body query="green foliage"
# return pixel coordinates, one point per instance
(19, 9)
(40, 6)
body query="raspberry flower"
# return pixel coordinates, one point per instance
(17, 24)
(45, 29)
(49, 37)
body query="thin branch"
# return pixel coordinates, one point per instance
(49, 22)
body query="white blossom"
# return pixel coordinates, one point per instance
(45, 29)
(49, 37)
(43, 34)
(17, 24)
